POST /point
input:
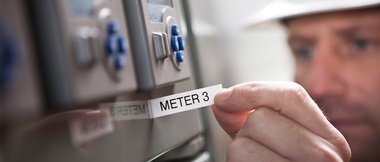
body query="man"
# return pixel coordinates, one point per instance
(337, 53)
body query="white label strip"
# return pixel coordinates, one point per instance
(162, 106)
(130, 110)
(183, 101)
(90, 126)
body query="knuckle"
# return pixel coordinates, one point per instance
(256, 120)
(329, 156)
(342, 148)
(297, 93)
(327, 152)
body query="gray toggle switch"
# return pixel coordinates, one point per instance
(161, 47)
(86, 47)
(83, 55)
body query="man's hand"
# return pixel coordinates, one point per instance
(277, 122)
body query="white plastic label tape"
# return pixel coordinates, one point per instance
(127, 110)
(163, 106)
(183, 101)
(90, 126)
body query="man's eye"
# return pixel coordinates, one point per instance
(304, 52)
(361, 44)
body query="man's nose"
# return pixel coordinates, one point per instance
(324, 77)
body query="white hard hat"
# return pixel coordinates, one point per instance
(282, 9)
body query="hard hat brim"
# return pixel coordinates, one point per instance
(282, 9)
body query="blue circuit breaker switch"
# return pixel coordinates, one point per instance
(179, 56)
(177, 43)
(181, 43)
(112, 27)
(121, 45)
(174, 43)
(8, 58)
(175, 30)
(119, 62)
(116, 45)
(110, 45)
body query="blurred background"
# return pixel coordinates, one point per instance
(239, 54)
(58, 64)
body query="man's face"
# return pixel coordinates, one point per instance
(338, 62)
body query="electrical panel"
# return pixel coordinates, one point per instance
(84, 49)
(69, 56)
(158, 41)
(20, 92)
